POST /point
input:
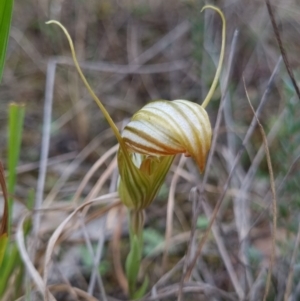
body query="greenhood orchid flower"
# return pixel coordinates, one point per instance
(155, 134)
(148, 145)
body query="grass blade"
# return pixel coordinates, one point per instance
(10, 262)
(15, 127)
(4, 222)
(6, 7)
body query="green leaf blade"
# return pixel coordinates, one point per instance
(142, 290)
(6, 7)
(15, 128)
(3, 244)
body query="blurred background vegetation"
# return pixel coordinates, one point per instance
(135, 51)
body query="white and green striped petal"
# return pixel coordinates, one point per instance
(170, 127)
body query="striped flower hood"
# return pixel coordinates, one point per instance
(153, 137)
(163, 128)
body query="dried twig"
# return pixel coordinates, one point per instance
(96, 262)
(282, 50)
(223, 252)
(169, 274)
(272, 183)
(79, 293)
(127, 69)
(237, 159)
(291, 270)
(192, 287)
(116, 251)
(255, 292)
(92, 171)
(27, 167)
(58, 231)
(209, 162)
(170, 208)
(50, 79)
(240, 204)
(71, 168)
(28, 263)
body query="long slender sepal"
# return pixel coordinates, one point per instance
(83, 78)
(221, 59)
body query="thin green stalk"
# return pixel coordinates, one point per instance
(133, 261)
(4, 221)
(15, 128)
(6, 8)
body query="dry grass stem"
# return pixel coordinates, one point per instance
(79, 293)
(131, 68)
(104, 177)
(96, 260)
(74, 165)
(274, 203)
(107, 206)
(116, 251)
(224, 254)
(58, 231)
(200, 288)
(192, 261)
(51, 162)
(50, 79)
(91, 172)
(237, 159)
(282, 50)
(170, 209)
(29, 264)
(289, 282)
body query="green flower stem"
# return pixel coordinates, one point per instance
(136, 218)
(133, 261)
